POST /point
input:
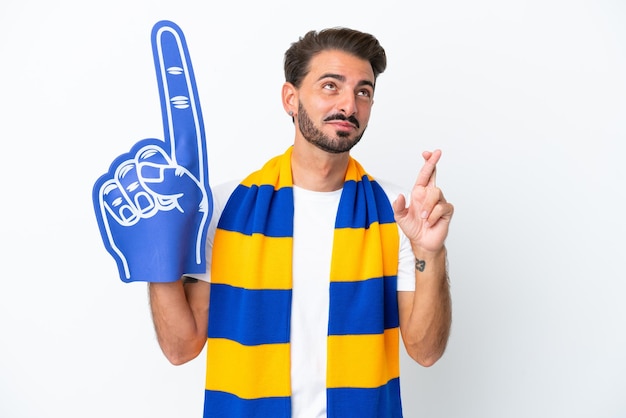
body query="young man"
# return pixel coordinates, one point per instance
(315, 268)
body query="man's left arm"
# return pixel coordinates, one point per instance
(426, 313)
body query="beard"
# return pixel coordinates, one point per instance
(341, 143)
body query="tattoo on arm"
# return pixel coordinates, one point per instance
(420, 265)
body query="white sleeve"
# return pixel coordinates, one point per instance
(406, 265)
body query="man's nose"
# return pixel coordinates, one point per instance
(347, 103)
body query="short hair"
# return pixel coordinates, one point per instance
(360, 44)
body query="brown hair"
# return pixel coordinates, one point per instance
(360, 44)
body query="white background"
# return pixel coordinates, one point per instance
(527, 100)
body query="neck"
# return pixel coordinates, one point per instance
(317, 170)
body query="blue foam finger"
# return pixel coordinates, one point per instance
(154, 204)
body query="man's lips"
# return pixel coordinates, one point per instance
(343, 125)
(341, 121)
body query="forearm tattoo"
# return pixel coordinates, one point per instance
(420, 265)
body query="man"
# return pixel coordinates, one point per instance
(314, 273)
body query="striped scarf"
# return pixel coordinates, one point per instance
(248, 351)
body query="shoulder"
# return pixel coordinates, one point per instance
(222, 191)
(392, 190)
(225, 188)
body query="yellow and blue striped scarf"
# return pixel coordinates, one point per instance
(248, 352)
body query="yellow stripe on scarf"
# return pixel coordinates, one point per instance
(351, 365)
(357, 255)
(233, 362)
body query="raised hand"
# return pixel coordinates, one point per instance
(154, 205)
(426, 219)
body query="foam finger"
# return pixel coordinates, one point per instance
(180, 106)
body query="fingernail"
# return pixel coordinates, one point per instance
(424, 215)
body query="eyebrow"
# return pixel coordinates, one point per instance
(343, 79)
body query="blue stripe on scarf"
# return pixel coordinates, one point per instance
(364, 316)
(266, 309)
(270, 211)
(355, 215)
(221, 404)
(366, 403)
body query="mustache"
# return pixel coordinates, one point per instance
(339, 116)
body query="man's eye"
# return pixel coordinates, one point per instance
(329, 86)
(364, 93)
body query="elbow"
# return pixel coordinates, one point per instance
(425, 358)
(427, 348)
(178, 356)
(177, 360)
(427, 352)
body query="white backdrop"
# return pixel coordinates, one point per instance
(527, 100)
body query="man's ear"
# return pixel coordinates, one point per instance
(290, 98)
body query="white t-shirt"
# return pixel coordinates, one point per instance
(314, 223)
